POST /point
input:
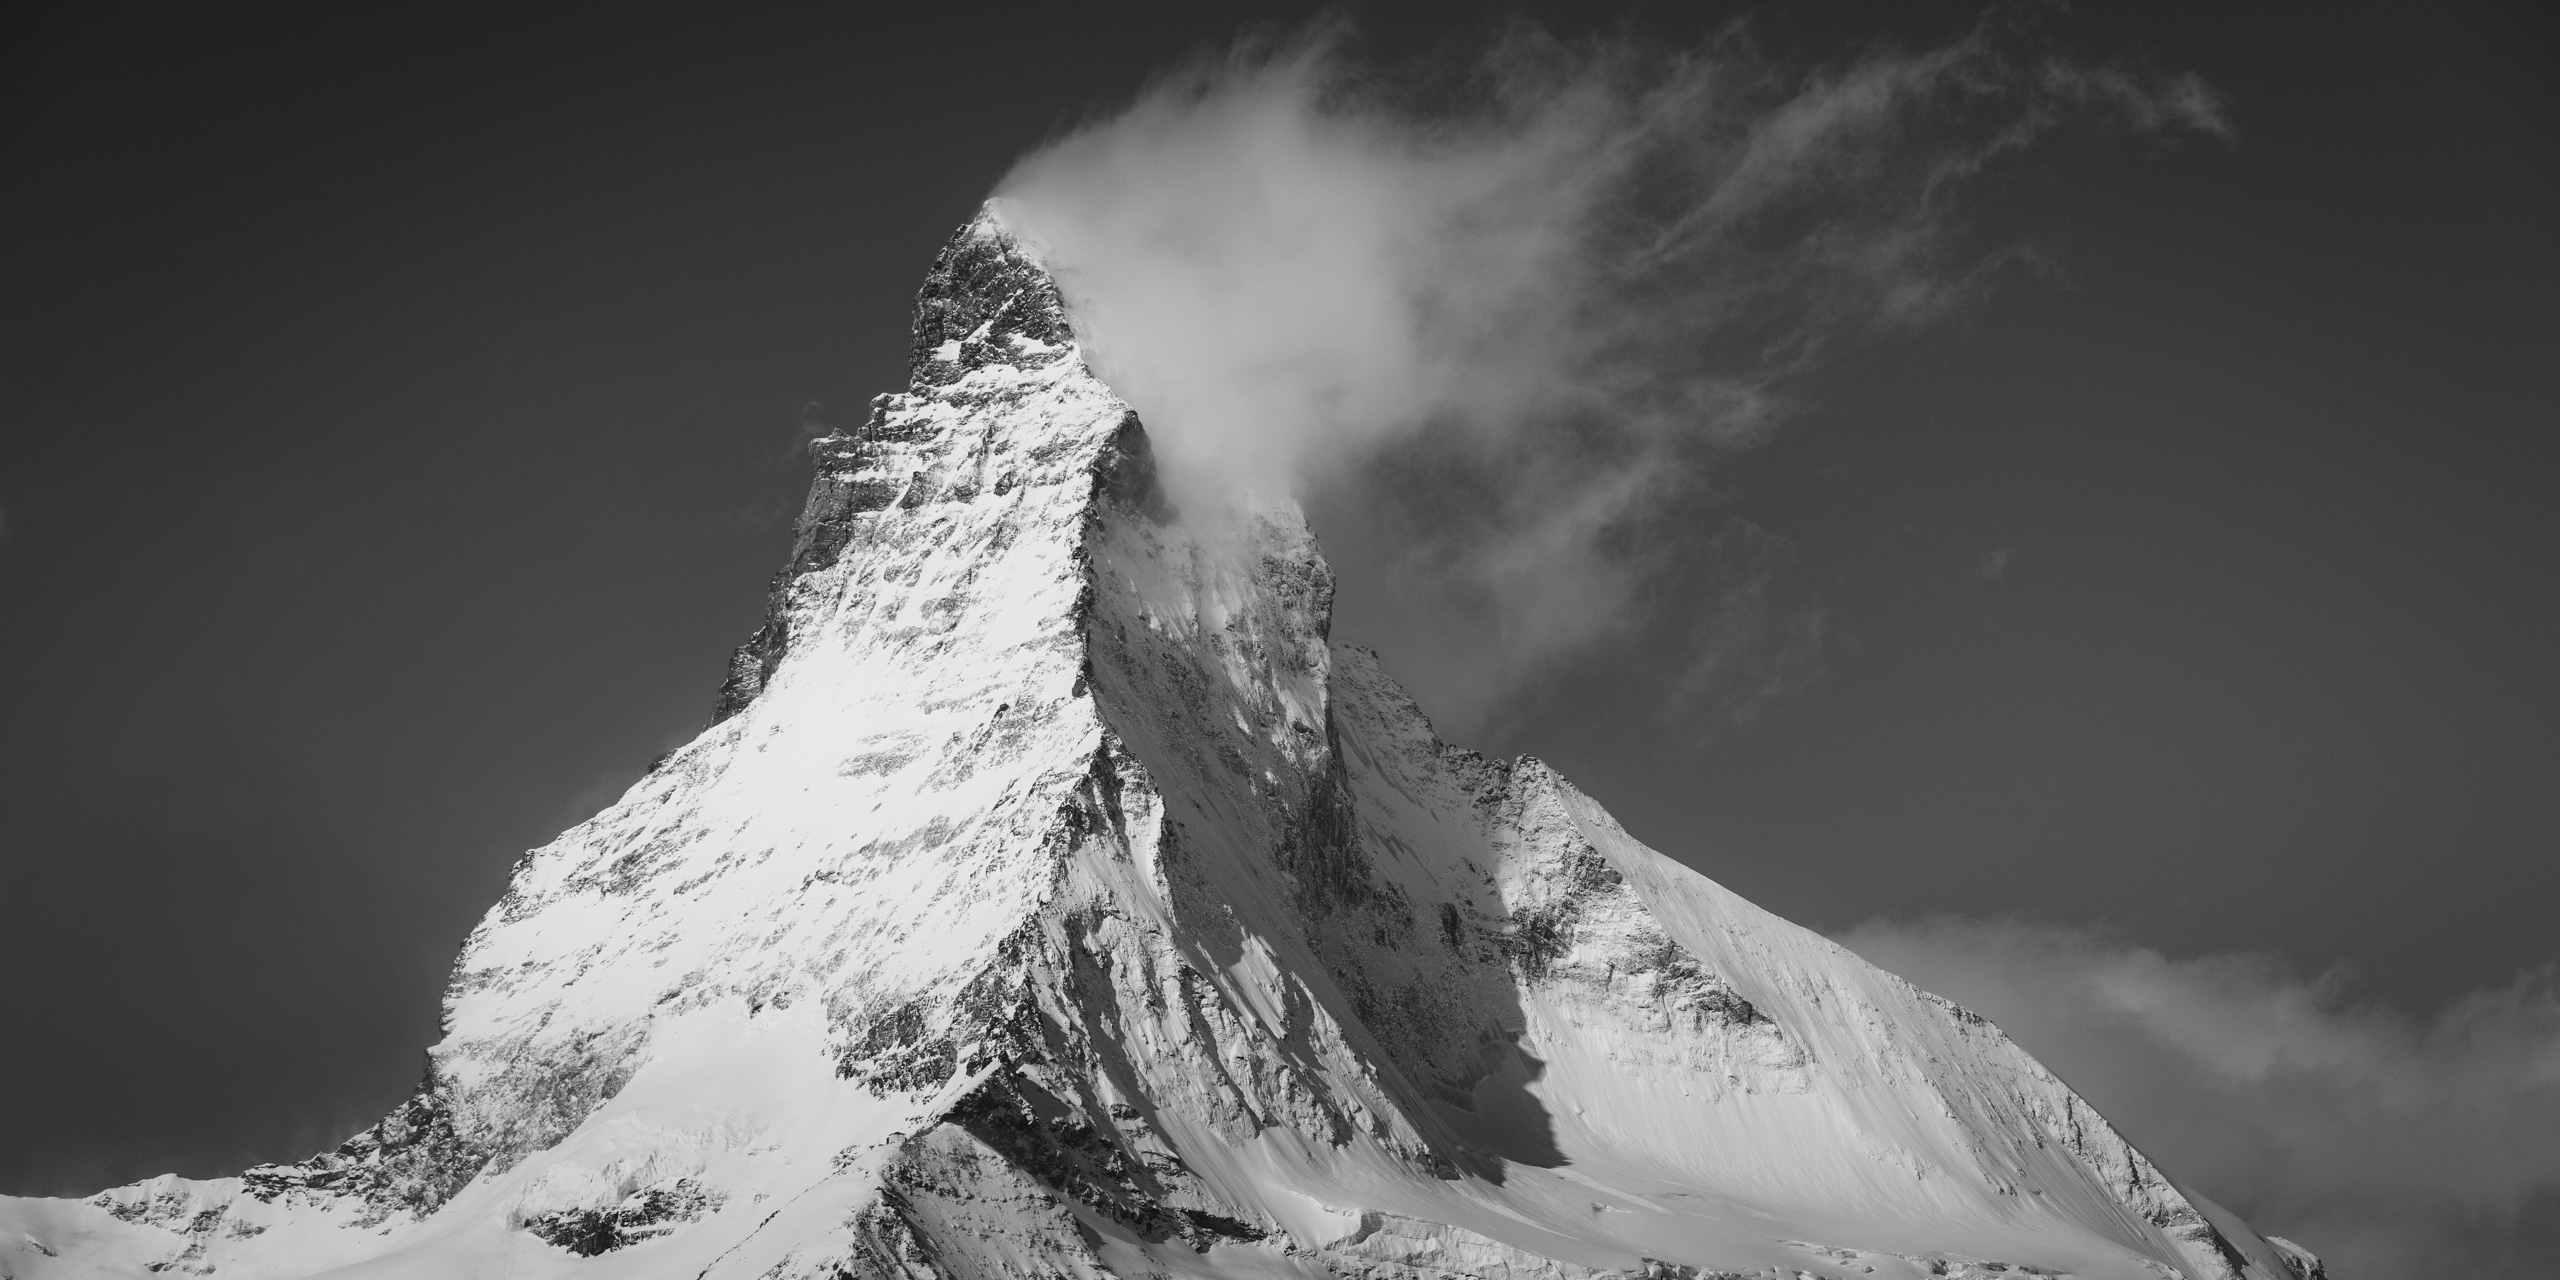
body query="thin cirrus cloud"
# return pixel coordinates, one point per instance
(2390, 1144)
(1494, 324)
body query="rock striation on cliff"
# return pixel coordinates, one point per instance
(1049, 897)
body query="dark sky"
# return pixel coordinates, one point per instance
(398, 425)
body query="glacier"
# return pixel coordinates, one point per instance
(1050, 897)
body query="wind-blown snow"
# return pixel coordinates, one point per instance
(1050, 898)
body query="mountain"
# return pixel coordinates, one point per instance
(1049, 897)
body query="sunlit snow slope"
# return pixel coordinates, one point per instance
(1050, 898)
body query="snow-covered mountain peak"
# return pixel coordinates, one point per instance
(990, 334)
(987, 300)
(1049, 897)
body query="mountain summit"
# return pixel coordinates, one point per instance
(1049, 897)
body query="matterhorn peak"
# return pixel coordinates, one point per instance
(1050, 897)
(986, 299)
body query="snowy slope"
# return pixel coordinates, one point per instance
(1051, 898)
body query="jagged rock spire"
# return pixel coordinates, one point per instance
(986, 302)
(1051, 898)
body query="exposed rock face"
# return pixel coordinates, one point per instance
(1050, 898)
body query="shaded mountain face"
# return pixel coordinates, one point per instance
(1050, 898)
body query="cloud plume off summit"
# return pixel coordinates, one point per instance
(1491, 322)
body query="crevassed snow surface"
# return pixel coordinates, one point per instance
(1051, 899)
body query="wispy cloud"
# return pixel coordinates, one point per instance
(2391, 1144)
(1748, 647)
(1494, 323)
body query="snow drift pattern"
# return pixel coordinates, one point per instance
(1050, 898)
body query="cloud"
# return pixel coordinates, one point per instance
(2388, 1143)
(1495, 324)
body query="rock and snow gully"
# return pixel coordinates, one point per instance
(1050, 898)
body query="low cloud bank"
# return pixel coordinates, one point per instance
(2390, 1144)
(1492, 320)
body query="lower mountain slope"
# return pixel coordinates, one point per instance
(1050, 897)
